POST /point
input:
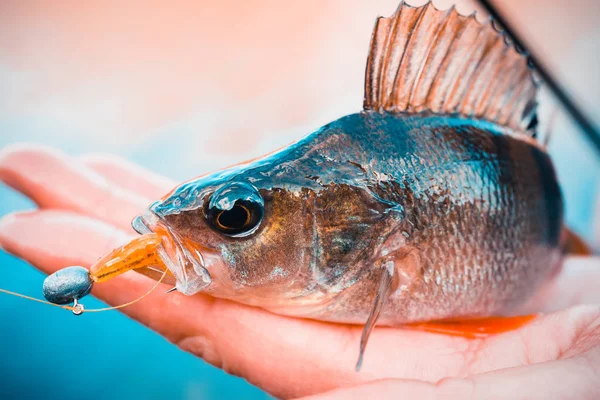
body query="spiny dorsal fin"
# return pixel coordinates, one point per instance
(425, 59)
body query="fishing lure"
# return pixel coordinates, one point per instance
(434, 203)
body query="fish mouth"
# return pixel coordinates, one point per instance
(188, 266)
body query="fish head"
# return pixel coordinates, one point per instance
(231, 238)
(288, 232)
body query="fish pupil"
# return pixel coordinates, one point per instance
(236, 218)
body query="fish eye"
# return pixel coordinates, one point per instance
(235, 209)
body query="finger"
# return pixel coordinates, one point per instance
(54, 180)
(577, 283)
(128, 175)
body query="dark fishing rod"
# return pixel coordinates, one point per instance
(584, 123)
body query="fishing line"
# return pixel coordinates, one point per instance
(34, 299)
(77, 308)
(133, 301)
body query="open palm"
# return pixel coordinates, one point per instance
(85, 209)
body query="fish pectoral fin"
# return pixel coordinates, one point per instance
(474, 327)
(386, 287)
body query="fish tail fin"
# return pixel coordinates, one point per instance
(425, 59)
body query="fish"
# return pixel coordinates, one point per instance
(435, 202)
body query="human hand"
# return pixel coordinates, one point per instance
(85, 209)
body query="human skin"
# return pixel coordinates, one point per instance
(85, 209)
